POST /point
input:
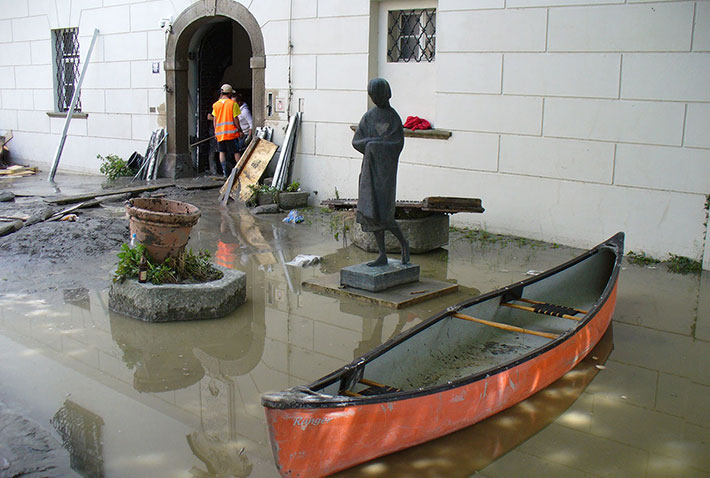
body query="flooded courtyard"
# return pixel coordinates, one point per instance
(112, 396)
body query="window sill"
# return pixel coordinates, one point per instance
(54, 114)
(421, 133)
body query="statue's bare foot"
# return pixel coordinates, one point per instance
(405, 253)
(380, 261)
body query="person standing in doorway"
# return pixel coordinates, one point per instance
(245, 121)
(225, 112)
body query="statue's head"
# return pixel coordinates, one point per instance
(380, 92)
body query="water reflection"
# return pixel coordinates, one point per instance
(173, 356)
(462, 453)
(223, 459)
(81, 432)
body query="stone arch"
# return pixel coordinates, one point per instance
(178, 162)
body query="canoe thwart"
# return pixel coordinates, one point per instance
(376, 388)
(499, 325)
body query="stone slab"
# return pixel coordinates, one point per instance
(397, 298)
(172, 302)
(379, 278)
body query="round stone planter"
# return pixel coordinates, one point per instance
(424, 234)
(293, 200)
(161, 225)
(173, 302)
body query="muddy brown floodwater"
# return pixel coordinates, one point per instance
(108, 396)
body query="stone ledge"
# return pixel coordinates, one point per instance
(421, 133)
(172, 302)
(76, 115)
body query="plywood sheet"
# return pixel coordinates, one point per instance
(255, 166)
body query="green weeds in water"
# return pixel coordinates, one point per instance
(340, 222)
(486, 238)
(684, 265)
(188, 267)
(641, 259)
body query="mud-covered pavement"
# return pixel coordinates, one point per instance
(100, 394)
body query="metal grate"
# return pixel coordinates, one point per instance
(411, 35)
(66, 50)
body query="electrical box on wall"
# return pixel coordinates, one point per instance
(275, 104)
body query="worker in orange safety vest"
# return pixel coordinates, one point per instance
(225, 113)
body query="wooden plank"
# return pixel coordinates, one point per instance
(397, 298)
(228, 187)
(254, 169)
(430, 204)
(108, 192)
(371, 383)
(451, 204)
(511, 328)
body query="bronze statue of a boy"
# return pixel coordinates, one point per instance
(380, 138)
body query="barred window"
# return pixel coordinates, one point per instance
(66, 65)
(411, 35)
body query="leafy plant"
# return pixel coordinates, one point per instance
(641, 259)
(114, 166)
(188, 267)
(293, 187)
(257, 189)
(684, 265)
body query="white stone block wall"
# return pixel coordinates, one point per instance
(572, 119)
(117, 94)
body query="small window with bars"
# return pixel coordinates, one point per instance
(411, 35)
(66, 66)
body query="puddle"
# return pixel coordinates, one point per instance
(126, 398)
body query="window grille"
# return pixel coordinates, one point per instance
(66, 57)
(411, 35)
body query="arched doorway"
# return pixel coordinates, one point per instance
(194, 72)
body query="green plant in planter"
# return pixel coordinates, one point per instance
(114, 166)
(257, 189)
(188, 267)
(293, 187)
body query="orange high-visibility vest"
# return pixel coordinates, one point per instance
(225, 111)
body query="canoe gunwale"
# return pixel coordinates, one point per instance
(304, 397)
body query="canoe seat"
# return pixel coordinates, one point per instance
(546, 308)
(554, 310)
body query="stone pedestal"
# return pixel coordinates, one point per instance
(379, 278)
(424, 234)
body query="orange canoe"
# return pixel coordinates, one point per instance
(456, 368)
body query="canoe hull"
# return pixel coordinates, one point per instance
(313, 442)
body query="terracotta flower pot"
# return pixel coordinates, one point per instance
(161, 225)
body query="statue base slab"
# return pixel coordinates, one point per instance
(396, 298)
(379, 278)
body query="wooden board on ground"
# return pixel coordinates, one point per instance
(448, 205)
(236, 171)
(223, 196)
(396, 297)
(17, 170)
(108, 192)
(256, 164)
